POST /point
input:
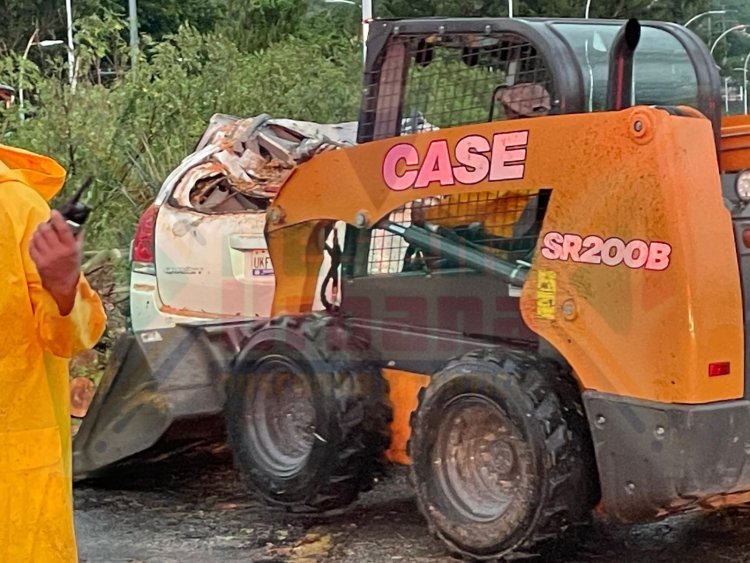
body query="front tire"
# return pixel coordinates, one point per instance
(500, 461)
(308, 417)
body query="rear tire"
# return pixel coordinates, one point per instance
(308, 416)
(501, 461)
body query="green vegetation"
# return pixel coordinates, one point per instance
(128, 130)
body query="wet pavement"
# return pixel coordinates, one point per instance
(194, 508)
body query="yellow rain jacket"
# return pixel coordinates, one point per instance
(36, 496)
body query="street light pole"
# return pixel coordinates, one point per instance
(366, 7)
(133, 12)
(366, 19)
(33, 40)
(24, 58)
(588, 8)
(740, 27)
(71, 53)
(726, 94)
(704, 14)
(510, 8)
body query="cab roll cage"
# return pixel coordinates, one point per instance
(386, 55)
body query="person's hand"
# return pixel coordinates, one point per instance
(57, 255)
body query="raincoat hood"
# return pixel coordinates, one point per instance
(39, 172)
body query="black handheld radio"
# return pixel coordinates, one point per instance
(75, 212)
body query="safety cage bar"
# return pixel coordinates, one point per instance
(490, 232)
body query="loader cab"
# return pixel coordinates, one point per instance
(453, 71)
(457, 72)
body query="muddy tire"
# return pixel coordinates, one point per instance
(308, 417)
(502, 460)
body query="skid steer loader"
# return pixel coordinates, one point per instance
(541, 303)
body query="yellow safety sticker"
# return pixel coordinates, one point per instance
(546, 289)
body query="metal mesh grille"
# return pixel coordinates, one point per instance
(504, 224)
(444, 81)
(387, 251)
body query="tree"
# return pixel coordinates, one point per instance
(159, 18)
(22, 17)
(255, 24)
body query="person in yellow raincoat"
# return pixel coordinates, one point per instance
(48, 313)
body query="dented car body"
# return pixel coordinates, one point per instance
(210, 258)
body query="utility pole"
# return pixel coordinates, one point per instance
(133, 11)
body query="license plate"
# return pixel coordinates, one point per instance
(260, 263)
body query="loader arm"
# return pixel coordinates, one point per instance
(645, 326)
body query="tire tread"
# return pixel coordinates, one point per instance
(553, 400)
(363, 420)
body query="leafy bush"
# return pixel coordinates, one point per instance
(129, 132)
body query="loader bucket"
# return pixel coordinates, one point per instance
(145, 390)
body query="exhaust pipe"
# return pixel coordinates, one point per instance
(620, 85)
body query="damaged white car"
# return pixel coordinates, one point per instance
(199, 250)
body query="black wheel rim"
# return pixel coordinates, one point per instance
(280, 417)
(481, 461)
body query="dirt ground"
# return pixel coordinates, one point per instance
(194, 508)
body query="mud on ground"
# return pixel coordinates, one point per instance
(194, 508)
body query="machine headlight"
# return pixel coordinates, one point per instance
(742, 186)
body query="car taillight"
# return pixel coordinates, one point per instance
(143, 242)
